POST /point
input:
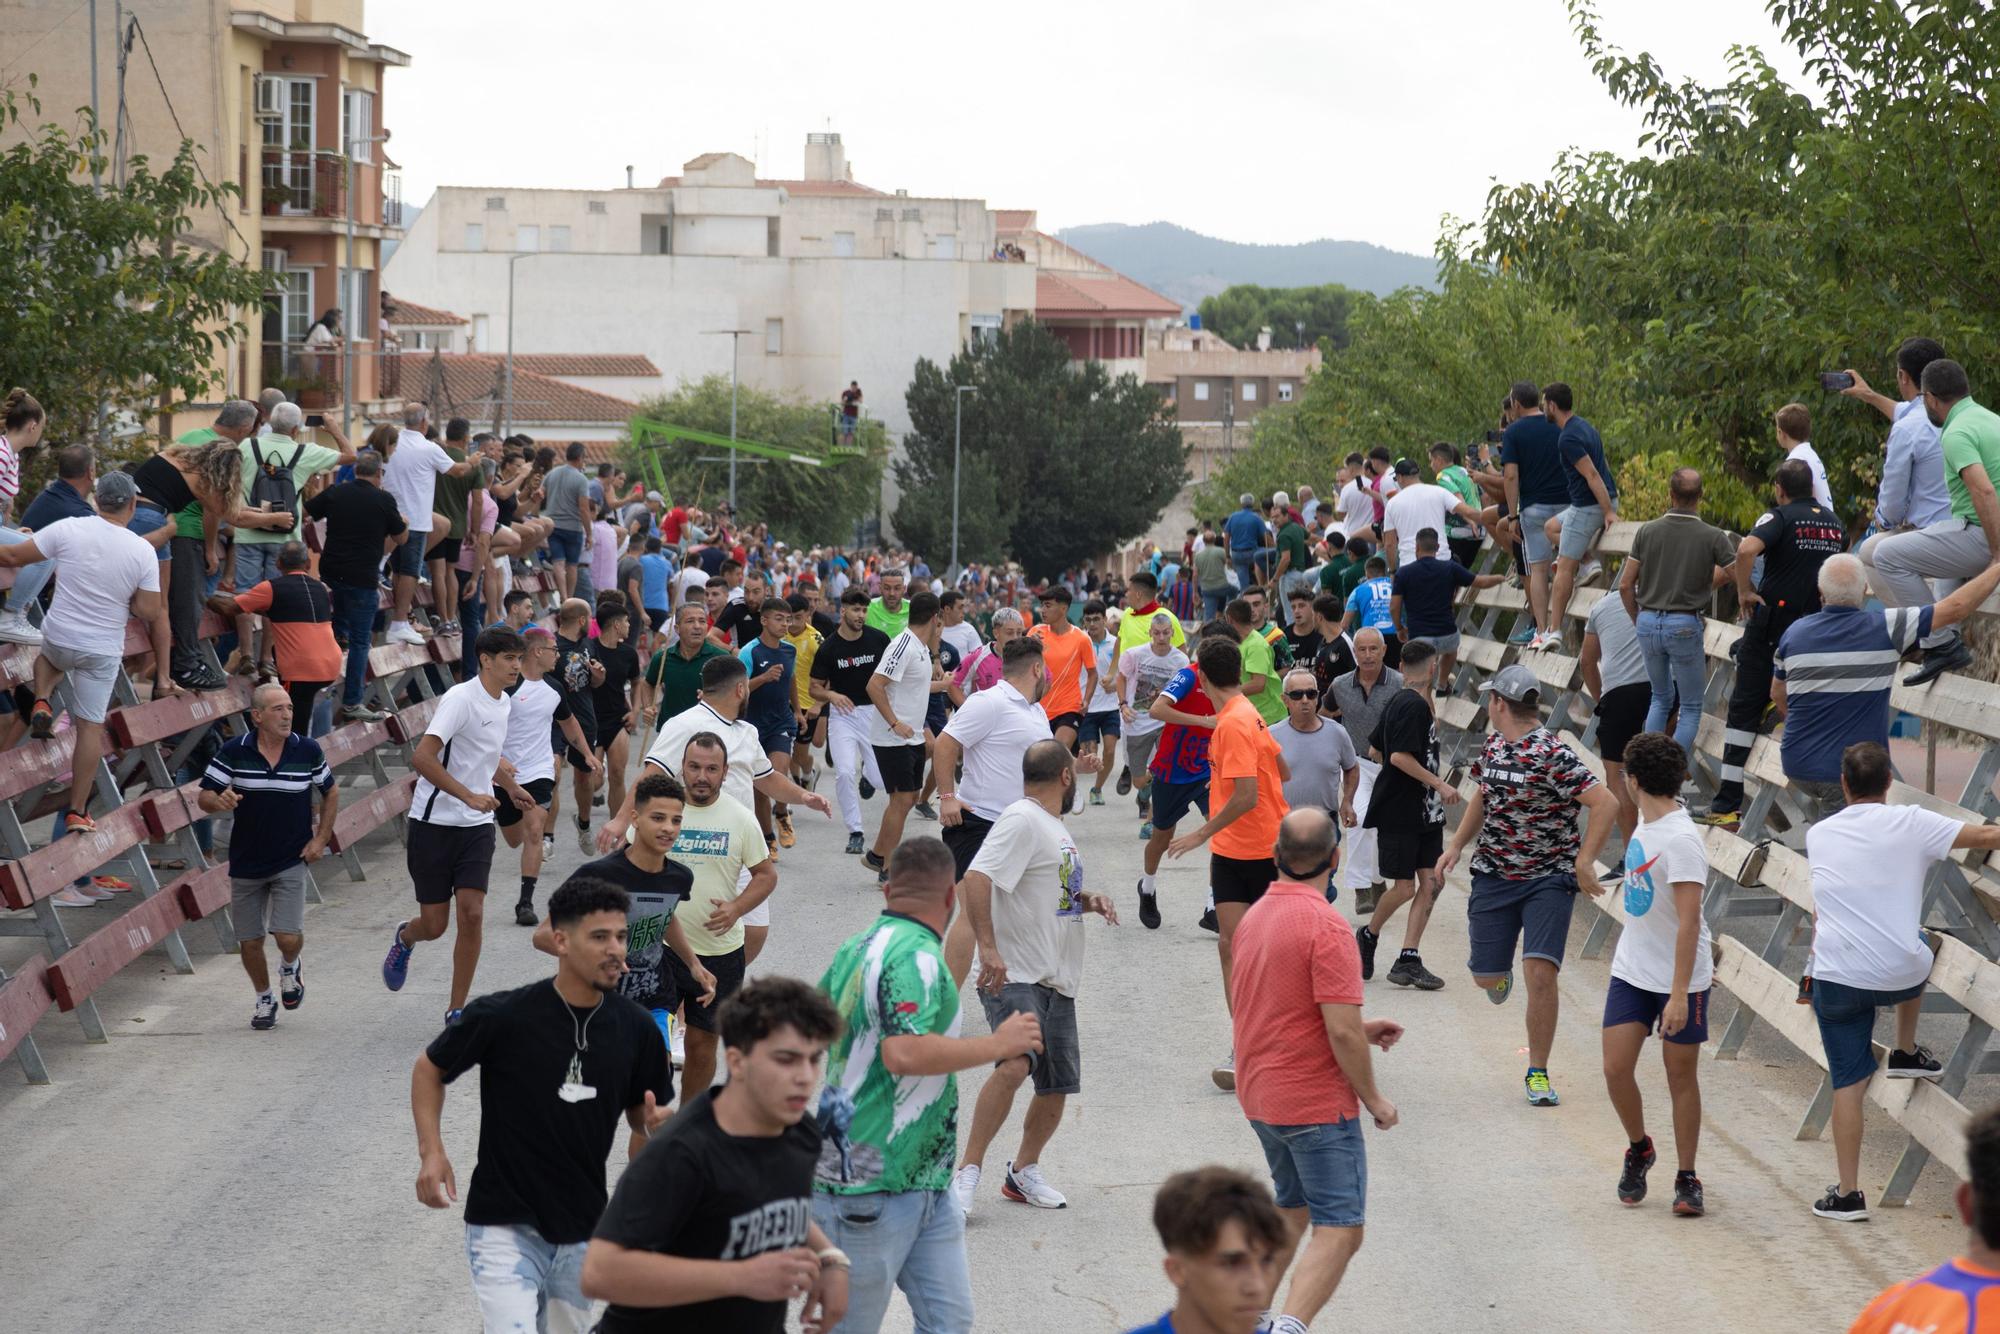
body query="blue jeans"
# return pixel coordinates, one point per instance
(1246, 571)
(526, 1285)
(354, 616)
(913, 1240)
(29, 580)
(1213, 600)
(1671, 643)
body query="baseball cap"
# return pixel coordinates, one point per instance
(655, 495)
(1515, 683)
(1407, 468)
(116, 490)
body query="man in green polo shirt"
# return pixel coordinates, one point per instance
(257, 548)
(452, 498)
(1294, 555)
(1957, 548)
(673, 677)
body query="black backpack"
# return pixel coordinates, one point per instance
(271, 485)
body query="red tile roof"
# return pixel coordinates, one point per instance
(566, 364)
(473, 383)
(403, 312)
(1013, 221)
(1074, 294)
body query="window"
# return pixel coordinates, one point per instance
(288, 138)
(597, 206)
(774, 337)
(985, 329)
(771, 249)
(1250, 391)
(1201, 391)
(475, 236)
(353, 298)
(1284, 391)
(843, 245)
(528, 238)
(478, 339)
(558, 238)
(357, 123)
(496, 203)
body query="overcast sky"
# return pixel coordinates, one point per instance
(1273, 121)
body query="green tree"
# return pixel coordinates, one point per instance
(1237, 313)
(1061, 462)
(800, 503)
(108, 306)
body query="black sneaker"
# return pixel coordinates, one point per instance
(1208, 922)
(867, 789)
(1367, 940)
(1687, 1195)
(1409, 971)
(524, 913)
(873, 862)
(923, 810)
(1632, 1180)
(1125, 781)
(202, 680)
(1849, 1208)
(1917, 1063)
(855, 846)
(1149, 910)
(1953, 657)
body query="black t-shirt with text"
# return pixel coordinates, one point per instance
(846, 664)
(1798, 537)
(360, 518)
(938, 714)
(572, 677)
(701, 1193)
(541, 1154)
(740, 623)
(621, 668)
(1335, 658)
(1304, 647)
(1406, 725)
(655, 895)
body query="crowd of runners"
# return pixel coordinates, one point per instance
(1267, 701)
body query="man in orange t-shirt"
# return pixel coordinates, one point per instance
(1070, 657)
(1246, 800)
(1963, 1294)
(300, 611)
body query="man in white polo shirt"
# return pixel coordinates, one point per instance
(410, 476)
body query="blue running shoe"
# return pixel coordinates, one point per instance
(1541, 1093)
(396, 966)
(1525, 633)
(1145, 830)
(451, 1017)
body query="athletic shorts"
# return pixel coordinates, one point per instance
(656, 617)
(1240, 879)
(446, 549)
(277, 901)
(1171, 801)
(1402, 849)
(444, 858)
(1627, 1004)
(966, 838)
(1535, 912)
(1580, 527)
(1058, 1067)
(543, 790)
(728, 969)
(1097, 726)
(778, 735)
(572, 755)
(1846, 1018)
(1139, 747)
(566, 546)
(1073, 721)
(902, 767)
(1621, 715)
(408, 557)
(1322, 1169)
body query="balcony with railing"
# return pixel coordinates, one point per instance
(313, 377)
(304, 183)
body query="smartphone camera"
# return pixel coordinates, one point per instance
(1835, 381)
(315, 419)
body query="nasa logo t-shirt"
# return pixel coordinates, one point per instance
(1660, 854)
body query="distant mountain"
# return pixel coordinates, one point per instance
(1188, 266)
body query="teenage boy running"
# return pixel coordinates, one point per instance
(534, 706)
(1100, 710)
(772, 665)
(616, 712)
(1406, 809)
(1142, 674)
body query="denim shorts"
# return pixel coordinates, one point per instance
(525, 1282)
(1442, 643)
(408, 557)
(256, 562)
(1058, 1067)
(1581, 525)
(566, 545)
(1846, 1018)
(148, 518)
(1097, 726)
(1322, 1169)
(1534, 541)
(1627, 1004)
(1535, 912)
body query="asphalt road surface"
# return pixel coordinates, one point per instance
(195, 1175)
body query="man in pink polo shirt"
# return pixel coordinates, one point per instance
(1303, 1072)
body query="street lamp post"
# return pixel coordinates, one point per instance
(347, 297)
(507, 415)
(734, 336)
(957, 457)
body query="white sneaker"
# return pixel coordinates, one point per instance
(71, 897)
(14, 628)
(677, 1047)
(1590, 570)
(584, 842)
(1544, 639)
(404, 634)
(1027, 1187)
(1224, 1075)
(964, 1185)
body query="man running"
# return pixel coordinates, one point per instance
(578, 673)
(805, 639)
(900, 690)
(1025, 899)
(614, 709)
(772, 664)
(1406, 811)
(712, 1227)
(559, 1062)
(1325, 771)
(890, 613)
(535, 709)
(1142, 674)
(1100, 711)
(1661, 973)
(1223, 1235)
(672, 683)
(1530, 863)
(1071, 660)
(840, 674)
(450, 852)
(1180, 774)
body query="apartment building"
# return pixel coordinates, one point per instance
(285, 99)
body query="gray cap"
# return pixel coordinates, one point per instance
(655, 495)
(1515, 683)
(116, 490)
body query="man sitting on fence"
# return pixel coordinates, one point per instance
(1677, 562)
(266, 777)
(300, 610)
(1869, 864)
(1835, 670)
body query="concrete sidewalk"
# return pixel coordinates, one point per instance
(195, 1175)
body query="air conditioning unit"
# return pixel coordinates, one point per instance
(275, 261)
(270, 98)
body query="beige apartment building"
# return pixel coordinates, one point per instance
(285, 100)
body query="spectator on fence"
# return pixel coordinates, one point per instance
(362, 526)
(1530, 861)
(1835, 670)
(1356, 700)
(1531, 458)
(1961, 1294)
(1224, 1236)
(410, 475)
(1593, 504)
(63, 498)
(300, 610)
(1247, 534)
(196, 546)
(106, 575)
(1422, 597)
(1869, 864)
(1794, 539)
(265, 779)
(1418, 505)
(1677, 562)
(276, 468)
(1912, 494)
(453, 500)
(22, 420)
(1614, 672)
(1960, 546)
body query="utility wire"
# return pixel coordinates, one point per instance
(221, 200)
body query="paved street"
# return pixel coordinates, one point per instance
(194, 1175)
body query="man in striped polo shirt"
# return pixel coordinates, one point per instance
(1834, 670)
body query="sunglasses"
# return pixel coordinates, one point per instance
(1302, 694)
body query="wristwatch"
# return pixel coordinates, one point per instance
(835, 1258)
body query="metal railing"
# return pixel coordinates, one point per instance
(304, 183)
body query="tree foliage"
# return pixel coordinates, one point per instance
(110, 304)
(1237, 313)
(799, 502)
(1061, 462)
